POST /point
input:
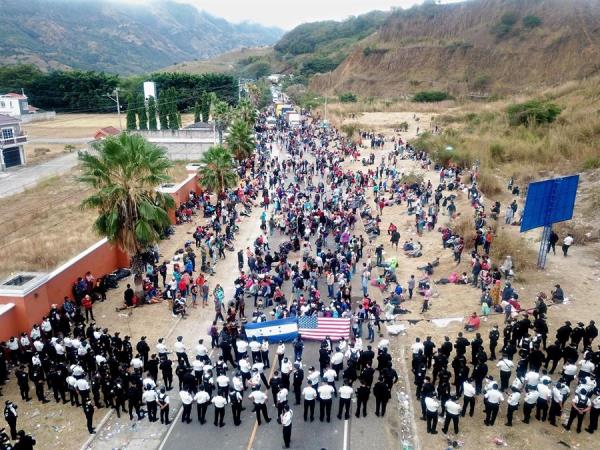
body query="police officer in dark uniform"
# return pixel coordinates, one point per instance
(297, 381)
(23, 381)
(143, 349)
(10, 415)
(166, 367)
(163, 405)
(88, 409)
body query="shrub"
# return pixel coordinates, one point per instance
(348, 97)
(368, 51)
(497, 153)
(532, 112)
(531, 21)
(505, 26)
(350, 129)
(431, 96)
(70, 148)
(523, 256)
(488, 183)
(591, 163)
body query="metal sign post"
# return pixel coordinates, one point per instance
(548, 202)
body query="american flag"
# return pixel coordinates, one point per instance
(317, 328)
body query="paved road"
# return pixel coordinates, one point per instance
(17, 180)
(362, 433)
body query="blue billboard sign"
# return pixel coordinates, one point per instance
(549, 201)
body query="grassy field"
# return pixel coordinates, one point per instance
(44, 226)
(75, 126)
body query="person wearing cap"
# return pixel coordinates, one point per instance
(531, 397)
(594, 412)
(143, 350)
(493, 398)
(431, 406)
(297, 379)
(286, 422)
(163, 405)
(310, 395)
(513, 405)
(202, 399)
(179, 347)
(186, 401)
(150, 398)
(10, 415)
(545, 394)
(260, 407)
(88, 410)
(556, 404)
(325, 392)
(581, 404)
(346, 393)
(219, 401)
(254, 349)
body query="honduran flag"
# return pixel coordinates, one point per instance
(274, 330)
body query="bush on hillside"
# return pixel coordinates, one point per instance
(497, 153)
(531, 21)
(591, 163)
(532, 112)
(348, 97)
(488, 183)
(431, 96)
(506, 24)
(368, 51)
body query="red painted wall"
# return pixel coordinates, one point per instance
(106, 258)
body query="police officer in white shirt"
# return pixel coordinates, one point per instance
(569, 372)
(186, 400)
(493, 398)
(223, 385)
(255, 350)
(531, 398)
(83, 388)
(325, 399)
(513, 405)
(541, 410)
(219, 401)
(346, 392)
(202, 400)
(469, 397)
(241, 347)
(260, 398)
(201, 350)
(329, 377)
(286, 421)
(282, 400)
(179, 347)
(161, 349)
(505, 365)
(453, 411)
(556, 404)
(150, 397)
(280, 352)
(163, 403)
(594, 413)
(532, 378)
(337, 362)
(309, 394)
(431, 407)
(137, 363)
(264, 353)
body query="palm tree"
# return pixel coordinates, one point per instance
(221, 115)
(241, 140)
(217, 172)
(246, 111)
(124, 174)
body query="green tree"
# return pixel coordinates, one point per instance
(205, 107)
(163, 111)
(152, 113)
(217, 172)
(141, 112)
(124, 173)
(532, 112)
(172, 109)
(131, 119)
(241, 140)
(246, 112)
(221, 115)
(197, 113)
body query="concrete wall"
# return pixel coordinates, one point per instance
(179, 151)
(32, 301)
(37, 117)
(184, 145)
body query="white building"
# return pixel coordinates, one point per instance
(12, 140)
(15, 105)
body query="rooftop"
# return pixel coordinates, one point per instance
(15, 96)
(8, 120)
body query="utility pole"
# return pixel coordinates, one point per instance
(116, 100)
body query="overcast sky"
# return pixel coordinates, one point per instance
(287, 14)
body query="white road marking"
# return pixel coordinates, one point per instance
(345, 447)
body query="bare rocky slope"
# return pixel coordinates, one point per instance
(489, 46)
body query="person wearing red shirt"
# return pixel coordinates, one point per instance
(88, 306)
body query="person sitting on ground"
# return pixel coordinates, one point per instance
(473, 322)
(558, 296)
